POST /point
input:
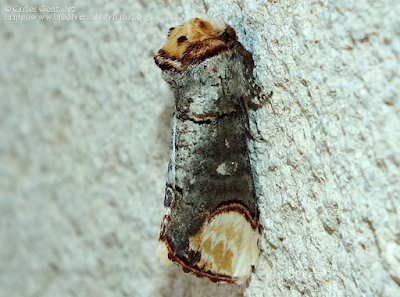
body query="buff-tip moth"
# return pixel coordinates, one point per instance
(211, 226)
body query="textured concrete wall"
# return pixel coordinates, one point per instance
(84, 124)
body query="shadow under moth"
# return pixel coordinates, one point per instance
(211, 227)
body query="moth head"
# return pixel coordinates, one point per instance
(194, 41)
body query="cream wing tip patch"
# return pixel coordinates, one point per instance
(162, 254)
(228, 245)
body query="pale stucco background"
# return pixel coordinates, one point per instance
(84, 133)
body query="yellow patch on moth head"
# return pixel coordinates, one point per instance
(228, 245)
(195, 30)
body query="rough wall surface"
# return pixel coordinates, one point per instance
(84, 132)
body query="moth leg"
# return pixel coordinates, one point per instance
(245, 101)
(255, 102)
(246, 105)
(260, 100)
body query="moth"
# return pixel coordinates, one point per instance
(210, 227)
